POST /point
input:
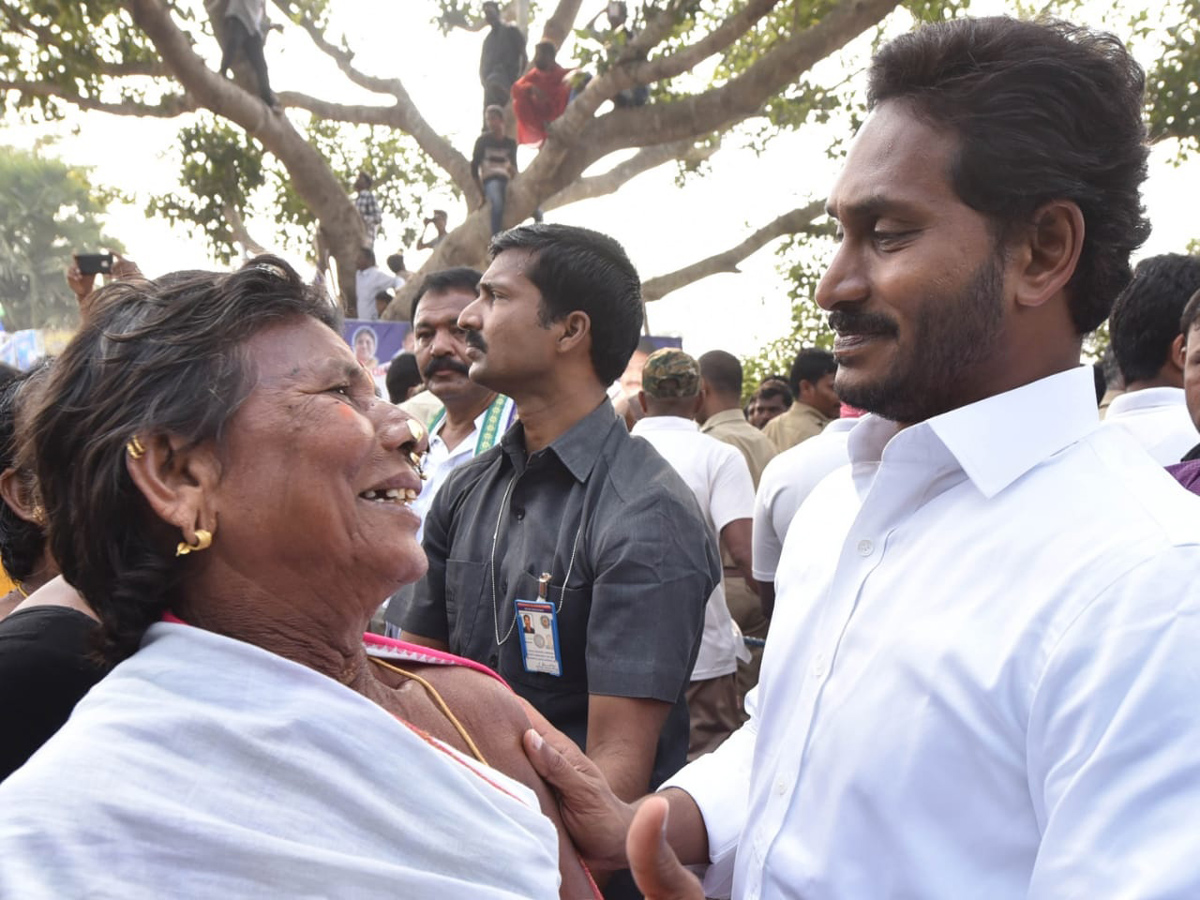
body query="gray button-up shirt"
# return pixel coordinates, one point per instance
(632, 610)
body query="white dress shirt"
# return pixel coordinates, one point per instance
(982, 676)
(1158, 419)
(719, 477)
(786, 483)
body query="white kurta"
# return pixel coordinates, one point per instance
(206, 767)
(982, 677)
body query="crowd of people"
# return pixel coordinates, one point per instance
(568, 615)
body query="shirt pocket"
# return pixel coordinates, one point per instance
(572, 617)
(465, 605)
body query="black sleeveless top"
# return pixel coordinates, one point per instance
(46, 667)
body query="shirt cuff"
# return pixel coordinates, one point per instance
(719, 783)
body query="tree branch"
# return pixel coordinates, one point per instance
(241, 235)
(740, 97)
(169, 107)
(789, 223)
(559, 25)
(404, 115)
(316, 185)
(642, 161)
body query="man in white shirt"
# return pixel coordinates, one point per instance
(786, 483)
(369, 281)
(719, 477)
(473, 418)
(1149, 346)
(981, 676)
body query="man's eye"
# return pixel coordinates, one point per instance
(889, 237)
(343, 389)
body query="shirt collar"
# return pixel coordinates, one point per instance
(996, 440)
(578, 447)
(664, 423)
(1147, 398)
(725, 415)
(436, 432)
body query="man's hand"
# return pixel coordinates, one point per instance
(656, 869)
(124, 269)
(595, 817)
(81, 285)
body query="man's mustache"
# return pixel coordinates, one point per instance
(444, 364)
(847, 322)
(475, 339)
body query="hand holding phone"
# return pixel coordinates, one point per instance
(94, 263)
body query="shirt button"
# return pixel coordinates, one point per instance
(781, 787)
(519, 513)
(865, 548)
(493, 661)
(504, 585)
(818, 669)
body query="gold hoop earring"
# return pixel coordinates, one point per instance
(135, 448)
(203, 542)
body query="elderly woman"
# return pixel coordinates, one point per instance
(225, 489)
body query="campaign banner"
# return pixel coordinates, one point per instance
(375, 343)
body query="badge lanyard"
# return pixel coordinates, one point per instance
(492, 569)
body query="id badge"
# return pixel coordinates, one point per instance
(537, 623)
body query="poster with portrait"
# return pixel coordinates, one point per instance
(375, 343)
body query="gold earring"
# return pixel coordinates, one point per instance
(416, 429)
(135, 448)
(203, 542)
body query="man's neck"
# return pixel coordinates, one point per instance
(1156, 382)
(545, 417)
(460, 418)
(715, 405)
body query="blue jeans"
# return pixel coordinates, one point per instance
(493, 190)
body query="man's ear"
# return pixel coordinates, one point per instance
(1175, 359)
(18, 493)
(576, 328)
(641, 397)
(1046, 257)
(178, 482)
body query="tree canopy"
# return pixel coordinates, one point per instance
(48, 210)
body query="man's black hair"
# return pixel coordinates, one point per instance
(722, 370)
(811, 365)
(1042, 111)
(457, 278)
(1145, 319)
(402, 376)
(775, 389)
(395, 262)
(580, 269)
